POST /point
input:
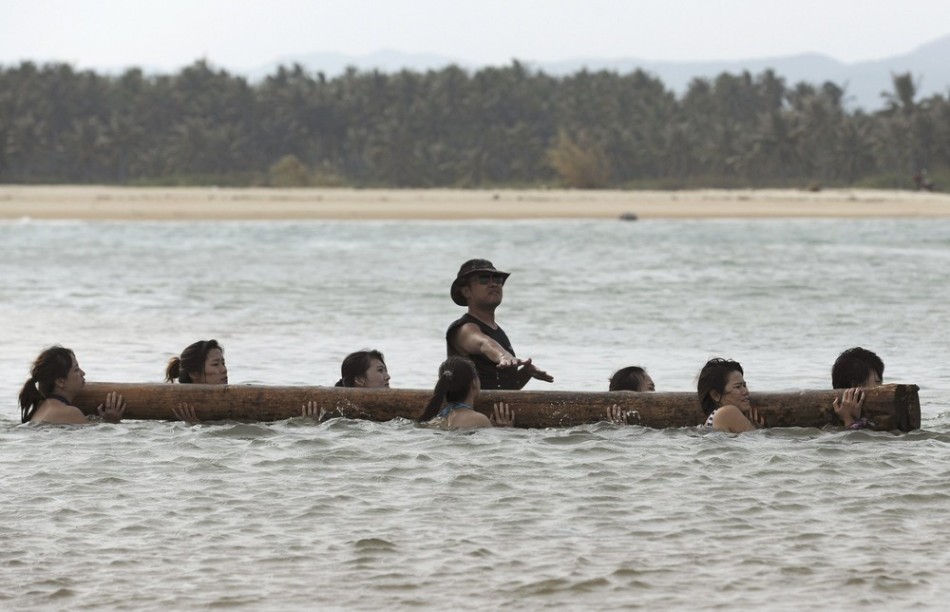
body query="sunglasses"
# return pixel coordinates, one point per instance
(484, 279)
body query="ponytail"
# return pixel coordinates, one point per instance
(173, 370)
(30, 398)
(438, 396)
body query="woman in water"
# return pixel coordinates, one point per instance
(855, 369)
(724, 397)
(454, 398)
(364, 369)
(55, 380)
(200, 363)
(631, 378)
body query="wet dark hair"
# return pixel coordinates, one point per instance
(52, 364)
(356, 365)
(627, 379)
(191, 362)
(713, 377)
(456, 375)
(853, 367)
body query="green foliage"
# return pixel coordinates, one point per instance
(288, 171)
(581, 166)
(884, 181)
(325, 175)
(501, 126)
(236, 179)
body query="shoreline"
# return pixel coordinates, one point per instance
(107, 203)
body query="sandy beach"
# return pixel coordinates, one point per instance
(211, 203)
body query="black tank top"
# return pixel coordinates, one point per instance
(488, 373)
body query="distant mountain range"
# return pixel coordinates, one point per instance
(863, 81)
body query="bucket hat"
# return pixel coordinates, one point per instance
(470, 267)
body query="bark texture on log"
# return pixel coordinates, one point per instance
(892, 407)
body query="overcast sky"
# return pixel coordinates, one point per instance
(168, 34)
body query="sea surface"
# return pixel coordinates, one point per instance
(351, 514)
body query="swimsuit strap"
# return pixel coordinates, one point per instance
(57, 396)
(453, 406)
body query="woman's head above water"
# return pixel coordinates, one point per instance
(364, 369)
(631, 378)
(721, 382)
(200, 363)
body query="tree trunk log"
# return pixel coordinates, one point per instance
(891, 407)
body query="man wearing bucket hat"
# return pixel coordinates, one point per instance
(476, 336)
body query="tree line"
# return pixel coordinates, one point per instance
(500, 126)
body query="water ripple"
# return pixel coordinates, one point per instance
(350, 514)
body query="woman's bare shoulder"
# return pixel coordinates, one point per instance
(730, 418)
(52, 411)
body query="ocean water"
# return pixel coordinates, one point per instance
(360, 515)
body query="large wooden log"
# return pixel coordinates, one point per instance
(892, 407)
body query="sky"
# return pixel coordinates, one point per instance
(243, 34)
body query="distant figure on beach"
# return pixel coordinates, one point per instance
(55, 380)
(922, 182)
(453, 398)
(631, 378)
(855, 369)
(200, 363)
(365, 368)
(476, 336)
(724, 397)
